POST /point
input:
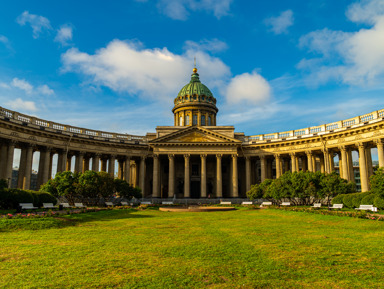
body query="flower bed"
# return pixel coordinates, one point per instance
(352, 214)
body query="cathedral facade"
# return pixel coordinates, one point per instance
(194, 158)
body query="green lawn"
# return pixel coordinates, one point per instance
(235, 249)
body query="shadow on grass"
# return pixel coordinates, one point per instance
(63, 221)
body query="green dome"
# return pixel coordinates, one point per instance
(195, 87)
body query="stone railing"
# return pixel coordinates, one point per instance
(68, 129)
(318, 130)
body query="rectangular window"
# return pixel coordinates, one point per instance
(195, 170)
(203, 120)
(181, 121)
(194, 119)
(187, 120)
(209, 121)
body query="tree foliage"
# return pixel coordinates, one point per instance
(301, 188)
(377, 182)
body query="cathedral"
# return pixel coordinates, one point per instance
(195, 158)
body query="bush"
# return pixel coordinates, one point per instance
(348, 200)
(368, 200)
(338, 199)
(358, 198)
(378, 202)
(10, 198)
(44, 198)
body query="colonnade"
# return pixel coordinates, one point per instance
(254, 167)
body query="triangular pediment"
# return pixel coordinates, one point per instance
(195, 135)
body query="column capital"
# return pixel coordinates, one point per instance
(277, 156)
(98, 155)
(155, 156)
(292, 154)
(379, 141)
(143, 158)
(219, 156)
(342, 148)
(262, 157)
(234, 156)
(81, 153)
(308, 153)
(360, 145)
(247, 157)
(171, 156)
(112, 156)
(186, 156)
(203, 156)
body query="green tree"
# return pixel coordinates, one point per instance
(89, 184)
(332, 184)
(63, 185)
(126, 190)
(106, 185)
(377, 182)
(258, 191)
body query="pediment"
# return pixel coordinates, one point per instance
(195, 135)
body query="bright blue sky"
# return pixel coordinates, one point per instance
(272, 65)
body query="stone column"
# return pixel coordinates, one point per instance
(111, 168)
(309, 158)
(219, 180)
(3, 160)
(50, 165)
(247, 173)
(203, 180)
(322, 164)
(235, 186)
(314, 164)
(103, 164)
(28, 168)
(120, 171)
(293, 162)
(171, 176)
(9, 166)
(96, 162)
(79, 162)
(127, 169)
(199, 118)
(368, 158)
(350, 165)
(326, 161)
(278, 166)
(86, 164)
(68, 162)
(263, 167)
(380, 152)
(155, 187)
(45, 154)
(187, 180)
(344, 163)
(23, 161)
(142, 176)
(331, 162)
(363, 168)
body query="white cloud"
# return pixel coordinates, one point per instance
(157, 73)
(4, 85)
(248, 89)
(22, 84)
(280, 24)
(44, 89)
(355, 58)
(210, 45)
(180, 9)
(38, 23)
(5, 41)
(64, 35)
(21, 105)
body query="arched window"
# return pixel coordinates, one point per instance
(209, 121)
(203, 120)
(187, 119)
(181, 121)
(194, 119)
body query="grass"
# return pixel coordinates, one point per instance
(236, 249)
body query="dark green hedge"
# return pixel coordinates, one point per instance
(10, 198)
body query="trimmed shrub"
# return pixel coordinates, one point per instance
(358, 198)
(43, 197)
(10, 198)
(338, 199)
(368, 200)
(348, 200)
(378, 202)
